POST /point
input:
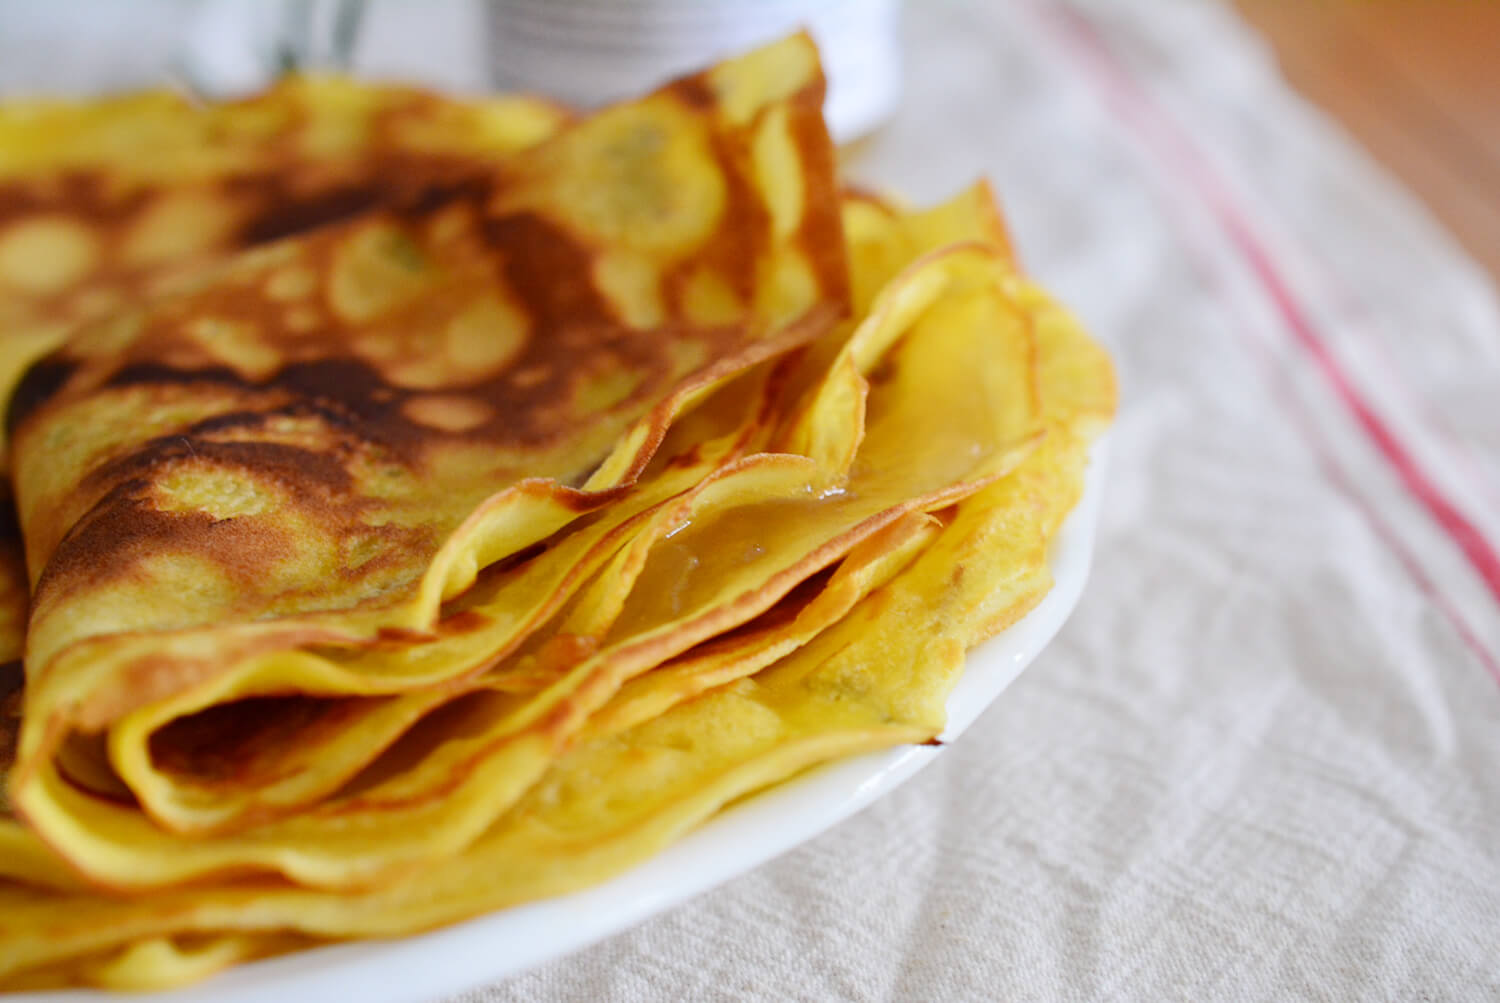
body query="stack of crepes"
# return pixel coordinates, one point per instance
(529, 489)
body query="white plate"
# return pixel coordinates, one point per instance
(770, 823)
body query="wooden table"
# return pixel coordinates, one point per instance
(1418, 83)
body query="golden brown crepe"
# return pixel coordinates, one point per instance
(639, 778)
(13, 601)
(764, 562)
(711, 575)
(332, 434)
(102, 202)
(13, 596)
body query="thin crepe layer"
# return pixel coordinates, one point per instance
(877, 677)
(210, 782)
(303, 750)
(741, 540)
(332, 482)
(105, 201)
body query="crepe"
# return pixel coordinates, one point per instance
(172, 753)
(295, 768)
(13, 597)
(778, 559)
(710, 576)
(640, 776)
(316, 747)
(208, 482)
(104, 201)
(12, 638)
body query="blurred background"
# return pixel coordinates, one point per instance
(1418, 83)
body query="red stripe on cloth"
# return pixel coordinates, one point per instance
(1430, 417)
(1132, 99)
(1389, 537)
(1470, 540)
(1136, 105)
(1379, 525)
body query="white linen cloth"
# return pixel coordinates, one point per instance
(1262, 760)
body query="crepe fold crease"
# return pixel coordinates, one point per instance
(472, 549)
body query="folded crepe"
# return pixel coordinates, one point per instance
(590, 617)
(104, 203)
(329, 436)
(858, 658)
(171, 754)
